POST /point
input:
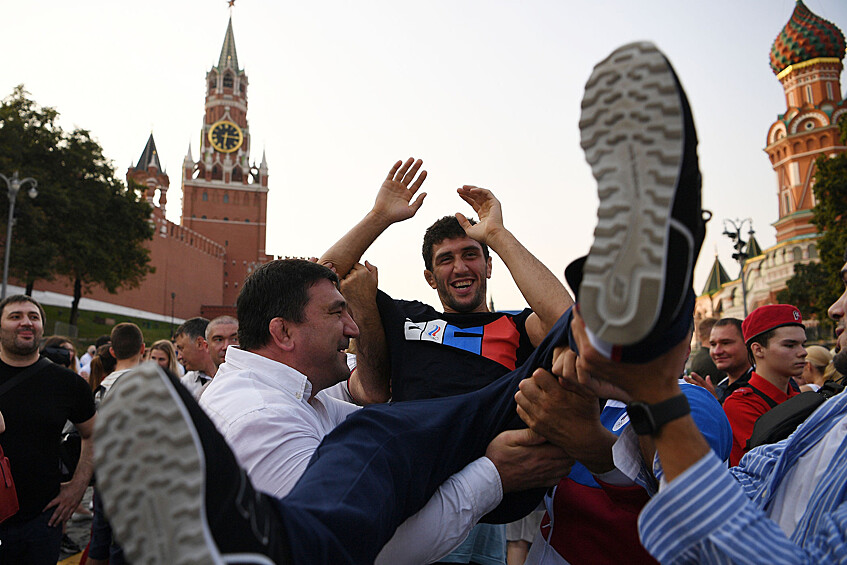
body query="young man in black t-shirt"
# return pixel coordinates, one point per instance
(465, 347)
(35, 411)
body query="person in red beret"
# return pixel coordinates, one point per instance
(774, 336)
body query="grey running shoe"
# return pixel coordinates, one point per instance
(170, 485)
(639, 138)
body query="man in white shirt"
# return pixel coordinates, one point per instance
(192, 351)
(269, 401)
(220, 334)
(381, 467)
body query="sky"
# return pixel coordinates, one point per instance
(485, 92)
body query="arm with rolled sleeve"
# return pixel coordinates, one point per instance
(447, 518)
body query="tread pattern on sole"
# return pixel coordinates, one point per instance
(151, 473)
(632, 134)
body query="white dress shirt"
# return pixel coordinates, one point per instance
(196, 382)
(268, 416)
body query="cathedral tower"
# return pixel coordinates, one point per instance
(807, 59)
(224, 196)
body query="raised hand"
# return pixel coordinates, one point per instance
(487, 209)
(394, 199)
(359, 287)
(695, 379)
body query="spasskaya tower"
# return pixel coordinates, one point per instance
(224, 195)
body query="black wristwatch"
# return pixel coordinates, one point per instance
(648, 419)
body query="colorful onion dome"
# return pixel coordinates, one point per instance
(806, 36)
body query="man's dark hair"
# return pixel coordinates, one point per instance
(279, 289)
(18, 298)
(705, 327)
(127, 340)
(447, 227)
(193, 328)
(761, 339)
(730, 322)
(102, 340)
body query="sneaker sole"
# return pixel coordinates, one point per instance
(633, 136)
(157, 509)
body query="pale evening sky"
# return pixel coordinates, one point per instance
(486, 92)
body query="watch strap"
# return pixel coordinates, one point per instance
(648, 419)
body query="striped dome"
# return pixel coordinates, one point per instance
(806, 36)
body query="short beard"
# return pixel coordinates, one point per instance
(14, 349)
(448, 302)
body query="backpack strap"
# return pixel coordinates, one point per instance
(771, 402)
(20, 377)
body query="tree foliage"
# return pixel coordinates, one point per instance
(816, 287)
(85, 224)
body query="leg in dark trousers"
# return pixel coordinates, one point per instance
(385, 461)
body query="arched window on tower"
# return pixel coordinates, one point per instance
(217, 173)
(813, 252)
(236, 174)
(796, 254)
(226, 198)
(228, 80)
(205, 197)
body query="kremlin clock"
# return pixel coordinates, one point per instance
(225, 136)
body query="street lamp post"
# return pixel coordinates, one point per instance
(173, 300)
(740, 247)
(14, 185)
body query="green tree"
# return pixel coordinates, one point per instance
(92, 227)
(808, 290)
(29, 141)
(818, 286)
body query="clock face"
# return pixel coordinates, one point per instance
(225, 136)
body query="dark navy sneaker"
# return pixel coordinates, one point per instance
(171, 487)
(639, 138)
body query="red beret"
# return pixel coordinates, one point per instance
(765, 318)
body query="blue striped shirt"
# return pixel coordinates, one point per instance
(707, 515)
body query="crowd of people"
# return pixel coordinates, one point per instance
(330, 423)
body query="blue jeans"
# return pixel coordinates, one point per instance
(32, 542)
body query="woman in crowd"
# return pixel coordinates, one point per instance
(52, 349)
(817, 359)
(163, 353)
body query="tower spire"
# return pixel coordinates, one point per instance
(228, 58)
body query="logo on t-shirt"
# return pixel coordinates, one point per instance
(497, 340)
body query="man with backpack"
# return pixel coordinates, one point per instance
(774, 335)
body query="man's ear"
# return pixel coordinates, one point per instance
(201, 343)
(488, 268)
(757, 349)
(430, 279)
(282, 333)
